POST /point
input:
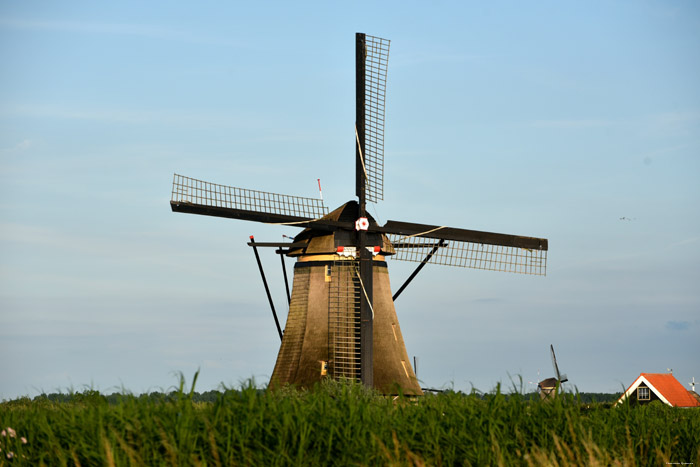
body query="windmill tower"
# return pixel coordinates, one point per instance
(342, 322)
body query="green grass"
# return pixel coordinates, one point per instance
(343, 424)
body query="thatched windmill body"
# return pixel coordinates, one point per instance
(342, 322)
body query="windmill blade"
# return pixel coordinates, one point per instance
(372, 62)
(194, 196)
(554, 361)
(468, 248)
(561, 378)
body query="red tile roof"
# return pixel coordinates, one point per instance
(666, 387)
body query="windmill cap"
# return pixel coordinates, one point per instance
(328, 241)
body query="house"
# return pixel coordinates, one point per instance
(649, 387)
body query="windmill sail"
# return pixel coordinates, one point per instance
(561, 378)
(199, 197)
(372, 63)
(467, 248)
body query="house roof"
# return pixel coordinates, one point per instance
(666, 387)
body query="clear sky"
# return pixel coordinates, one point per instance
(574, 121)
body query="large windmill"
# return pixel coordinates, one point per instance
(342, 322)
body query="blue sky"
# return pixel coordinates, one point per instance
(577, 122)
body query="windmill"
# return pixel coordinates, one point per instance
(342, 322)
(550, 386)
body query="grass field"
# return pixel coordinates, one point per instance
(342, 424)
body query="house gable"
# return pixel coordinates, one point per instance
(663, 387)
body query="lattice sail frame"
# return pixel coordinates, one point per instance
(376, 63)
(470, 255)
(193, 191)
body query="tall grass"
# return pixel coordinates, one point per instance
(344, 424)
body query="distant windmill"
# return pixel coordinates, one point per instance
(342, 322)
(550, 386)
(692, 384)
